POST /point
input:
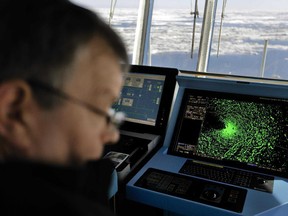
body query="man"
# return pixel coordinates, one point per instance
(60, 72)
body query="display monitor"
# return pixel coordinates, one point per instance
(141, 97)
(239, 130)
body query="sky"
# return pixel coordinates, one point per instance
(231, 4)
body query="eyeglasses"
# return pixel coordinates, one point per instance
(112, 117)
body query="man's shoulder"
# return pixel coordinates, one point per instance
(36, 189)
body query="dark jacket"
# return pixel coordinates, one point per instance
(28, 188)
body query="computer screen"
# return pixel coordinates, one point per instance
(239, 130)
(140, 97)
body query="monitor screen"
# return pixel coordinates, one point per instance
(239, 130)
(140, 97)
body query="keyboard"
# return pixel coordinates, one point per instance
(190, 188)
(228, 175)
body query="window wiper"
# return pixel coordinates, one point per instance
(196, 15)
(112, 9)
(221, 24)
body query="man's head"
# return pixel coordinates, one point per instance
(54, 44)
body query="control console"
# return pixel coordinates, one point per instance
(194, 189)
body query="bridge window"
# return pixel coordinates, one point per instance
(253, 40)
(121, 15)
(249, 37)
(174, 38)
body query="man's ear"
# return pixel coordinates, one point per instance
(15, 97)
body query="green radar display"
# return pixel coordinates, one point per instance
(244, 129)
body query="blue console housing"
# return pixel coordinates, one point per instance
(256, 202)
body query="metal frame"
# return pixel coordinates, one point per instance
(141, 52)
